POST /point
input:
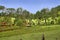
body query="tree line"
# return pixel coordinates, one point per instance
(45, 14)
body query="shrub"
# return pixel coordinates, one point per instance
(19, 22)
(52, 22)
(58, 21)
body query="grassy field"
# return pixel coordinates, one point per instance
(32, 33)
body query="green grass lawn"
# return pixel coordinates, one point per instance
(32, 33)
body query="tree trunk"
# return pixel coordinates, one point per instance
(45, 21)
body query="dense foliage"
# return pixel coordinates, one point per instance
(19, 16)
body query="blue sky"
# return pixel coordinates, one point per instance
(30, 5)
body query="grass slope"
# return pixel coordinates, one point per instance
(33, 33)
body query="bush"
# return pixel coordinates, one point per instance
(58, 21)
(19, 22)
(52, 22)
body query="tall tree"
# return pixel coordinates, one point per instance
(58, 10)
(53, 12)
(2, 9)
(32, 16)
(45, 12)
(10, 11)
(26, 14)
(38, 15)
(19, 10)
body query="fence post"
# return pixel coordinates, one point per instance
(20, 39)
(56, 38)
(43, 37)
